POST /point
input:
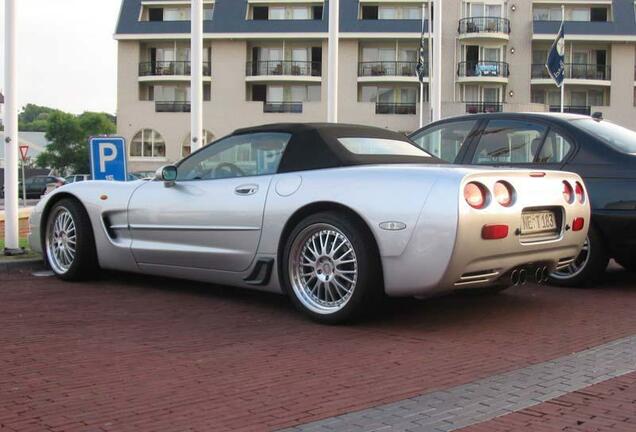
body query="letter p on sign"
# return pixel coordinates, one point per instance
(108, 158)
(107, 153)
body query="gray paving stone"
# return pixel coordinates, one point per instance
(450, 409)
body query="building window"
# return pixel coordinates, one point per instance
(155, 14)
(391, 12)
(538, 96)
(148, 143)
(208, 12)
(286, 12)
(175, 13)
(544, 13)
(186, 148)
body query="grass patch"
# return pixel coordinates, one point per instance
(23, 244)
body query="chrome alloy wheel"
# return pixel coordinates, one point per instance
(323, 268)
(575, 266)
(61, 240)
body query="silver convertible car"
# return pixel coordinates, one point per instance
(334, 216)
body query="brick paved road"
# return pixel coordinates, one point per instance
(137, 353)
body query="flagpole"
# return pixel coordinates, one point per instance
(437, 51)
(420, 79)
(332, 79)
(564, 72)
(430, 59)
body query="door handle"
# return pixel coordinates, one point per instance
(244, 190)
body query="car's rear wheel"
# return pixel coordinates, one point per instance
(331, 268)
(69, 245)
(587, 267)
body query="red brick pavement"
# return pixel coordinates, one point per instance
(608, 406)
(138, 353)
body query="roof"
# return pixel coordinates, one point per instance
(230, 18)
(316, 146)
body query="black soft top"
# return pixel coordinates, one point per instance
(316, 146)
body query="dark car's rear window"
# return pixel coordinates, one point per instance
(618, 137)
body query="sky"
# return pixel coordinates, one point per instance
(67, 54)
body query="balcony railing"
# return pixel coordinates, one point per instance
(483, 69)
(283, 107)
(483, 107)
(577, 71)
(162, 68)
(572, 109)
(287, 67)
(172, 106)
(395, 108)
(484, 25)
(389, 68)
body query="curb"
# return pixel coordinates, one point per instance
(22, 264)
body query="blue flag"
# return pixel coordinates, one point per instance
(556, 58)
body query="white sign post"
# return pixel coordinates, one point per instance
(24, 151)
(11, 221)
(332, 78)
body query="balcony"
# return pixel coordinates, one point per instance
(283, 107)
(306, 70)
(389, 71)
(395, 108)
(172, 106)
(484, 27)
(572, 109)
(575, 71)
(486, 71)
(483, 107)
(170, 68)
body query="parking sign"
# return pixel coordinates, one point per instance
(108, 158)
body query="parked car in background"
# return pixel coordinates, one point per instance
(141, 175)
(332, 215)
(77, 178)
(603, 153)
(38, 186)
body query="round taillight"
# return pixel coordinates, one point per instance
(580, 192)
(568, 192)
(503, 193)
(475, 195)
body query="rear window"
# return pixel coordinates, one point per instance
(381, 146)
(618, 137)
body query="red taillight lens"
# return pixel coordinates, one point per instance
(580, 192)
(568, 192)
(475, 195)
(503, 193)
(578, 224)
(494, 232)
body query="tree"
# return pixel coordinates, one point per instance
(68, 136)
(34, 118)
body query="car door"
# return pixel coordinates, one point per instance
(211, 216)
(447, 140)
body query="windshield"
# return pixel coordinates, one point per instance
(380, 146)
(618, 137)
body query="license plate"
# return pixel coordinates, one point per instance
(536, 222)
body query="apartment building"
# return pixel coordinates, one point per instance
(266, 61)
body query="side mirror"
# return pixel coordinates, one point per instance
(167, 174)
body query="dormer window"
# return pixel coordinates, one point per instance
(287, 11)
(172, 11)
(390, 11)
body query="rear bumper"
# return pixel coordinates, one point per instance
(447, 251)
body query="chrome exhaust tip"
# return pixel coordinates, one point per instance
(514, 277)
(546, 274)
(522, 277)
(538, 275)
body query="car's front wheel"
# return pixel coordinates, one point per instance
(331, 268)
(587, 267)
(69, 245)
